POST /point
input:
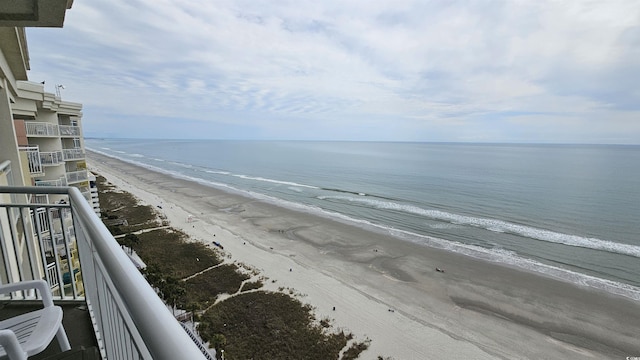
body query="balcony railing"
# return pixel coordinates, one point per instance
(77, 176)
(35, 163)
(68, 130)
(51, 158)
(73, 154)
(36, 128)
(130, 320)
(40, 199)
(87, 195)
(60, 182)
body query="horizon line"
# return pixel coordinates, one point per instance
(375, 141)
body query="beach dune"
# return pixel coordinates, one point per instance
(388, 290)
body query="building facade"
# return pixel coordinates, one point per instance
(49, 136)
(41, 144)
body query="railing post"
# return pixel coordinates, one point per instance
(5, 252)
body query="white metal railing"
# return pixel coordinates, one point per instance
(36, 128)
(40, 199)
(68, 130)
(53, 275)
(51, 158)
(33, 155)
(87, 195)
(77, 176)
(130, 320)
(196, 339)
(73, 154)
(60, 182)
(41, 218)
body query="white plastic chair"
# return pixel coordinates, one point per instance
(29, 334)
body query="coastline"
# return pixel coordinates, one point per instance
(473, 310)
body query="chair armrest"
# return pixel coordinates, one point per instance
(11, 346)
(40, 285)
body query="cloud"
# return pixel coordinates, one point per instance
(360, 70)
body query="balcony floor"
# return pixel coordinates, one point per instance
(76, 322)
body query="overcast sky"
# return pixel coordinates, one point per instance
(471, 71)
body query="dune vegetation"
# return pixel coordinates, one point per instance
(227, 300)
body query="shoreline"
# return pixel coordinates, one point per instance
(475, 309)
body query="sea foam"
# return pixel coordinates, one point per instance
(499, 226)
(495, 255)
(280, 182)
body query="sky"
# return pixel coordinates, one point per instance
(399, 70)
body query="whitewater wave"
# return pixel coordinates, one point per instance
(218, 172)
(169, 172)
(507, 257)
(498, 226)
(444, 226)
(494, 255)
(280, 182)
(188, 166)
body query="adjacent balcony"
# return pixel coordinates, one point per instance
(72, 154)
(59, 182)
(39, 199)
(69, 131)
(87, 195)
(51, 158)
(35, 162)
(41, 129)
(67, 245)
(77, 176)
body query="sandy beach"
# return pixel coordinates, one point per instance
(388, 290)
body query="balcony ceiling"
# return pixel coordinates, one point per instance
(33, 13)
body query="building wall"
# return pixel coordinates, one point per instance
(21, 133)
(14, 164)
(8, 142)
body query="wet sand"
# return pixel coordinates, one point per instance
(388, 290)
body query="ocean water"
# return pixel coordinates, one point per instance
(567, 211)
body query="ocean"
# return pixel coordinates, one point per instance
(566, 211)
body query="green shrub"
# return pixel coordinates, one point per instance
(252, 285)
(269, 325)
